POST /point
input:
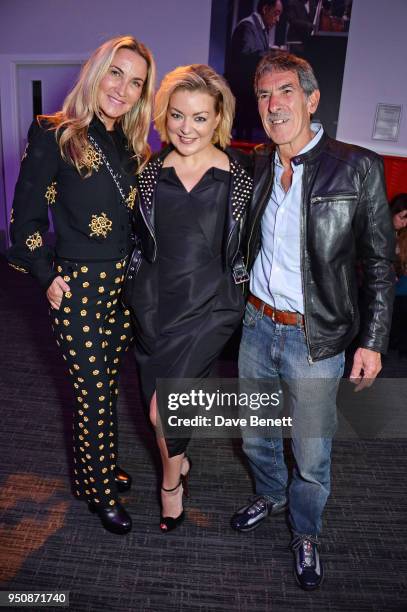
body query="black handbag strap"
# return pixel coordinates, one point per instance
(115, 175)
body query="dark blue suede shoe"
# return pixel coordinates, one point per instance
(308, 570)
(253, 514)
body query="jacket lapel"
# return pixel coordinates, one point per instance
(239, 197)
(147, 182)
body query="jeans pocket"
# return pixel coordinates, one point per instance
(250, 315)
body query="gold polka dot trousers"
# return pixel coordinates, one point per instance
(93, 330)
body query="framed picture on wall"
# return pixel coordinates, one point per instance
(242, 31)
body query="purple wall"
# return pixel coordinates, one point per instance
(177, 32)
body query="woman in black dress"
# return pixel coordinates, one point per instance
(186, 275)
(67, 170)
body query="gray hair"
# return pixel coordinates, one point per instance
(282, 62)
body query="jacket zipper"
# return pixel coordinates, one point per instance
(332, 198)
(302, 226)
(150, 229)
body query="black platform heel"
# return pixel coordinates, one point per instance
(113, 518)
(168, 523)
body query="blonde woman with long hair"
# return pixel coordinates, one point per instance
(81, 164)
(184, 280)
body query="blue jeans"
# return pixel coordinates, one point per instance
(270, 350)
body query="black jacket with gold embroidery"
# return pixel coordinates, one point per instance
(91, 220)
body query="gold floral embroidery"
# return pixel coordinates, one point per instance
(18, 268)
(12, 215)
(100, 226)
(93, 159)
(34, 241)
(51, 193)
(131, 198)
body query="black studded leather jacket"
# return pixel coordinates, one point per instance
(91, 220)
(239, 198)
(345, 220)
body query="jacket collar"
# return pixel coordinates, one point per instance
(309, 156)
(99, 127)
(312, 153)
(239, 194)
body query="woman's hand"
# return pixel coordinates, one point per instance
(56, 291)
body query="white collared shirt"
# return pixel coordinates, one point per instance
(276, 274)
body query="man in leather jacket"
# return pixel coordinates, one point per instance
(318, 207)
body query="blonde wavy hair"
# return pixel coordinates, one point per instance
(196, 77)
(81, 104)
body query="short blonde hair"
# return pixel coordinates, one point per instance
(81, 104)
(196, 77)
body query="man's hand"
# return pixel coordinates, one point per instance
(400, 220)
(56, 291)
(366, 366)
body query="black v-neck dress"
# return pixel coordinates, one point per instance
(196, 305)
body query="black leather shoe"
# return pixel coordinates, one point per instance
(113, 518)
(122, 479)
(252, 515)
(308, 570)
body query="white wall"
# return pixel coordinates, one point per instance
(375, 71)
(177, 31)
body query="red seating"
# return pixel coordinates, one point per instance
(395, 169)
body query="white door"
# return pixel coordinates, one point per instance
(28, 86)
(41, 89)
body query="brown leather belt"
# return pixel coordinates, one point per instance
(278, 316)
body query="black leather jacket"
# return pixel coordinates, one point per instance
(345, 219)
(146, 242)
